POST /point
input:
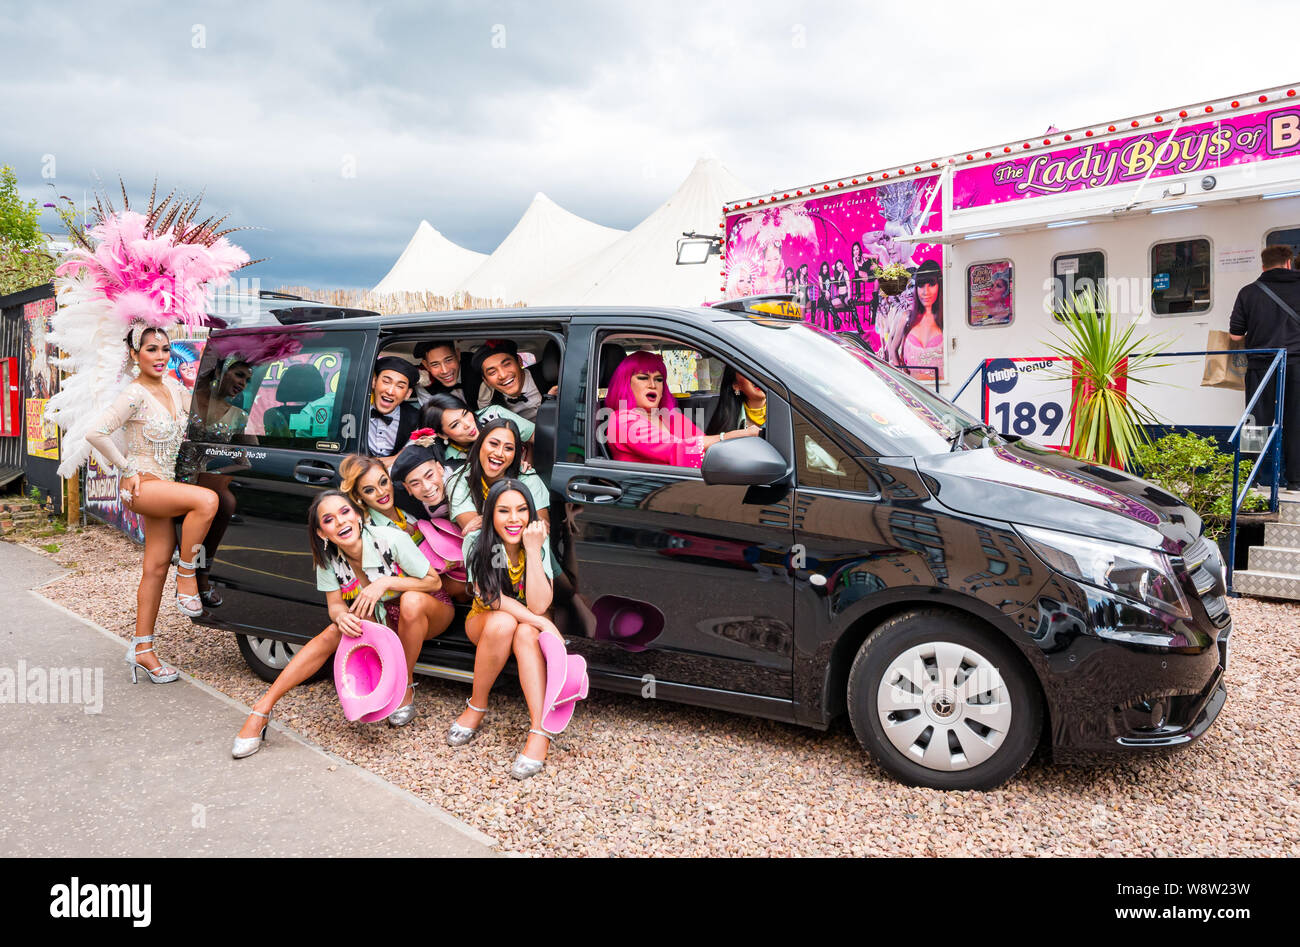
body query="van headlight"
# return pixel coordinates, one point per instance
(1145, 575)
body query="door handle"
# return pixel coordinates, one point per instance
(597, 492)
(313, 471)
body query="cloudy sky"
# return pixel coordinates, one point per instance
(336, 127)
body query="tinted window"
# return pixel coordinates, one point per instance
(823, 463)
(838, 374)
(277, 389)
(1075, 273)
(1180, 277)
(1287, 237)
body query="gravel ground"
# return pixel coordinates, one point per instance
(635, 777)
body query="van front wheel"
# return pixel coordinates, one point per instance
(940, 701)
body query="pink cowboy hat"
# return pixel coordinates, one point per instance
(566, 682)
(370, 673)
(442, 546)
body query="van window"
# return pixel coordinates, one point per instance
(1287, 237)
(1180, 277)
(277, 389)
(694, 377)
(1076, 273)
(989, 294)
(822, 463)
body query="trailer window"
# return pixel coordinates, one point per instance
(1180, 277)
(1075, 273)
(989, 294)
(1287, 237)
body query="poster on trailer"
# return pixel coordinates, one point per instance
(41, 378)
(826, 250)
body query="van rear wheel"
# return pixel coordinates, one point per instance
(940, 701)
(267, 657)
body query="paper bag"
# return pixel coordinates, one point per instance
(1224, 371)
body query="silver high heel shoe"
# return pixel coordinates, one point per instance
(525, 766)
(458, 735)
(247, 746)
(164, 674)
(404, 714)
(190, 606)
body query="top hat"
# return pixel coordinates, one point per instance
(370, 673)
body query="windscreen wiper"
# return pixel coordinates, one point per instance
(956, 437)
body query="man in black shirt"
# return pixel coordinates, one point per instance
(1267, 316)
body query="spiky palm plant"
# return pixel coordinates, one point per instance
(1108, 422)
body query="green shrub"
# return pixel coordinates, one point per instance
(1195, 470)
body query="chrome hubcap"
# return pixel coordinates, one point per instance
(944, 706)
(273, 653)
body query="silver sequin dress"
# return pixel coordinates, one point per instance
(153, 436)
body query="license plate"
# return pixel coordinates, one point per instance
(1223, 651)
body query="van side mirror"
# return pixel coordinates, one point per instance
(746, 462)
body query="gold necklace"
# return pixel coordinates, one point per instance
(516, 573)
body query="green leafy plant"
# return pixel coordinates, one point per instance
(1195, 470)
(24, 261)
(892, 271)
(1108, 422)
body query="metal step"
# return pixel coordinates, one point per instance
(1266, 584)
(1280, 559)
(1282, 534)
(1288, 511)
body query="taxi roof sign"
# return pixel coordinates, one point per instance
(784, 305)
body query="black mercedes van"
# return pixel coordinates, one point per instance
(963, 596)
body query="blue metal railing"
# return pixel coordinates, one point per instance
(1272, 448)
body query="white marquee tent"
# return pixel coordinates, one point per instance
(430, 263)
(641, 267)
(546, 241)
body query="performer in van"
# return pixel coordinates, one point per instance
(366, 572)
(392, 417)
(457, 425)
(506, 381)
(741, 404)
(510, 569)
(450, 372)
(646, 426)
(413, 492)
(497, 453)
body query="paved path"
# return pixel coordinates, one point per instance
(150, 773)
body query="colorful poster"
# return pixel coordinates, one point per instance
(1202, 146)
(988, 289)
(104, 503)
(826, 250)
(41, 378)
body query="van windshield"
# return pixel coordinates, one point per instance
(884, 406)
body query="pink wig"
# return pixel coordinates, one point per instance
(620, 386)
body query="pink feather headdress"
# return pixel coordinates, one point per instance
(128, 273)
(148, 276)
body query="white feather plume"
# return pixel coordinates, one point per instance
(94, 346)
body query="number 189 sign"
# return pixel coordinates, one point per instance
(1022, 396)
